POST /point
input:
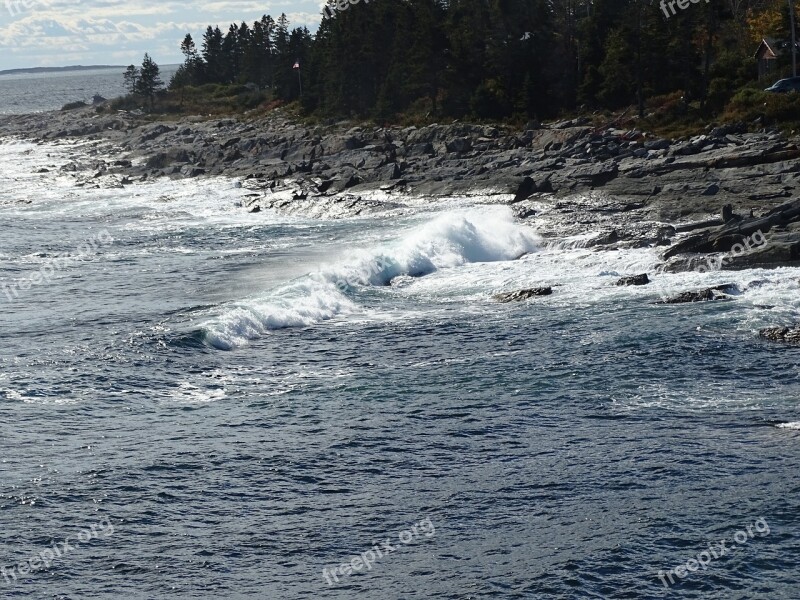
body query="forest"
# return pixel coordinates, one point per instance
(498, 59)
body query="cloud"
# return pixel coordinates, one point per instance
(58, 32)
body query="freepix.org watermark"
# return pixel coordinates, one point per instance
(747, 245)
(682, 4)
(341, 5)
(17, 7)
(366, 560)
(714, 552)
(750, 244)
(378, 266)
(60, 262)
(45, 558)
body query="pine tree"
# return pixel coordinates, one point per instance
(131, 77)
(192, 68)
(149, 79)
(212, 55)
(282, 73)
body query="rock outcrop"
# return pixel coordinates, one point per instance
(719, 292)
(699, 198)
(521, 295)
(788, 335)
(642, 279)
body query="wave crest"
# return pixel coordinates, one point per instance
(450, 240)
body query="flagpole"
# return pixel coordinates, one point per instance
(299, 77)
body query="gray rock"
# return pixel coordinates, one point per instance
(634, 280)
(657, 144)
(719, 292)
(459, 145)
(192, 171)
(787, 335)
(389, 172)
(596, 174)
(525, 190)
(521, 295)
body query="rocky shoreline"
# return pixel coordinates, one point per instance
(700, 199)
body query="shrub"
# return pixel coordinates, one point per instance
(129, 102)
(749, 104)
(719, 93)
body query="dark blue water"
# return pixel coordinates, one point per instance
(231, 424)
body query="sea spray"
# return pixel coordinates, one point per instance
(455, 238)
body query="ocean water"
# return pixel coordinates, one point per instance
(207, 403)
(22, 93)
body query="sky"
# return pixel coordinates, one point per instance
(56, 33)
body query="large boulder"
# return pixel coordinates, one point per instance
(719, 292)
(642, 279)
(596, 174)
(525, 190)
(460, 145)
(521, 295)
(788, 335)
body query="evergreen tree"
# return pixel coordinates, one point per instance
(490, 58)
(131, 77)
(213, 58)
(192, 68)
(149, 79)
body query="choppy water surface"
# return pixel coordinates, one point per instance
(248, 399)
(36, 92)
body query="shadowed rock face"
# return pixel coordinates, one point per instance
(642, 279)
(736, 231)
(521, 295)
(720, 292)
(787, 335)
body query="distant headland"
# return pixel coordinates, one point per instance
(58, 69)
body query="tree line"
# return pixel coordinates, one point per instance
(492, 59)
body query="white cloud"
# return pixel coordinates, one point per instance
(59, 32)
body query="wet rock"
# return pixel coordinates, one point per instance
(523, 212)
(642, 279)
(192, 171)
(352, 181)
(545, 186)
(787, 335)
(711, 190)
(727, 212)
(525, 190)
(521, 295)
(604, 239)
(664, 235)
(736, 229)
(157, 161)
(719, 292)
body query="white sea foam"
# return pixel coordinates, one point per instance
(488, 234)
(794, 425)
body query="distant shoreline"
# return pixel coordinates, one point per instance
(35, 70)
